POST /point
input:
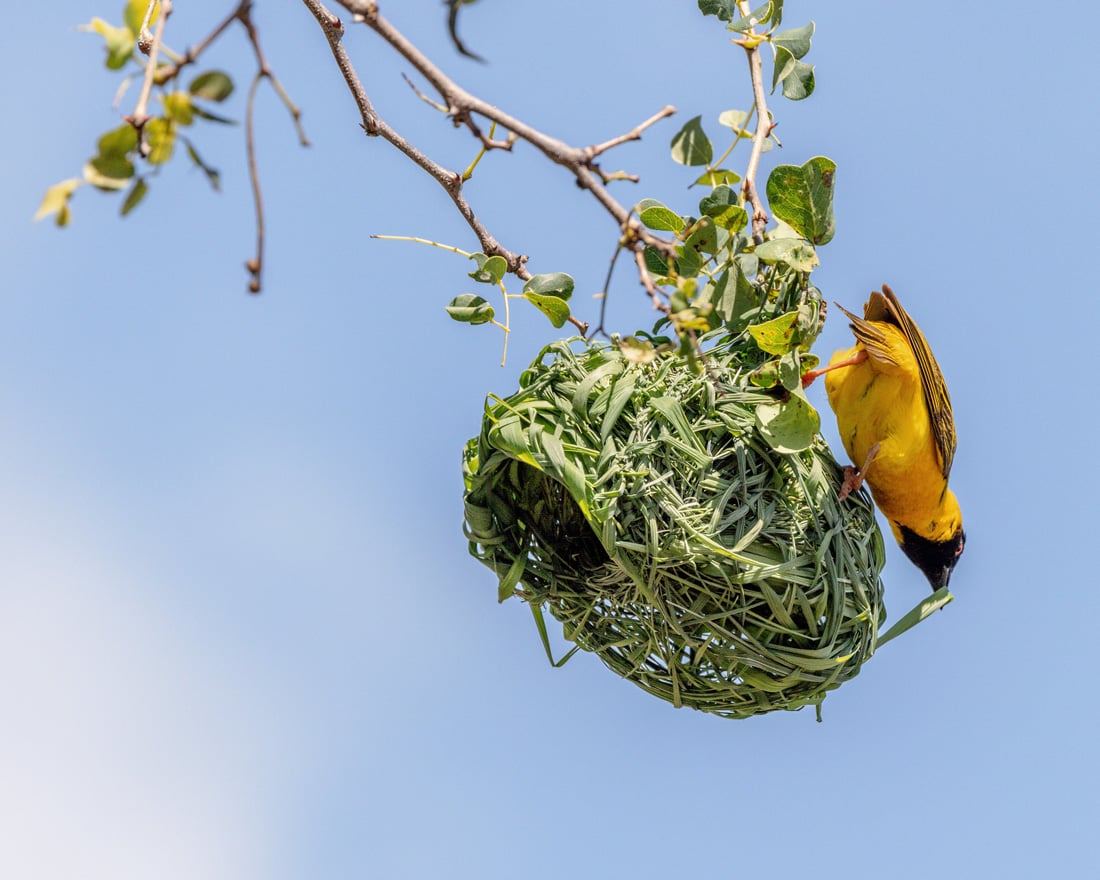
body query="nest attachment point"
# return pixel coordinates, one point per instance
(642, 508)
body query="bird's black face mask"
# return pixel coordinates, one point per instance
(937, 559)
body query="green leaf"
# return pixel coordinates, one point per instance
(784, 66)
(214, 85)
(161, 135)
(724, 9)
(790, 372)
(56, 201)
(212, 174)
(470, 309)
(776, 336)
(554, 307)
(556, 284)
(655, 262)
(688, 262)
(790, 425)
(802, 196)
(737, 120)
(722, 205)
(799, 84)
(734, 298)
(766, 375)
(760, 15)
(490, 270)
(795, 40)
(717, 176)
(663, 219)
(690, 145)
(109, 172)
(924, 609)
(135, 15)
(134, 196)
(178, 108)
(704, 237)
(637, 351)
(203, 113)
(793, 251)
(118, 141)
(119, 41)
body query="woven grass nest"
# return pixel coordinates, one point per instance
(641, 507)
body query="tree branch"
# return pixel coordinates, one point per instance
(763, 127)
(375, 126)
(462, 105)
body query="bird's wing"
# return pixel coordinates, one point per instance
(885, 307)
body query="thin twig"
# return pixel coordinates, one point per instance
(244, 15)
(463, 106)
(763, 128)
(633, 135)
(193, 53)
(255, 265)
(140, 116)
(603, 294)
(422, 96)
(375, 126)
(647, 283)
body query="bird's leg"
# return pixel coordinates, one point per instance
(858, 358)
(853, 478)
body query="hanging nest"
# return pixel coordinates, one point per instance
(641, 506)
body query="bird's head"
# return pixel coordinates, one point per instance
(936, 558)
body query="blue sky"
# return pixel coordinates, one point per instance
(240, 633)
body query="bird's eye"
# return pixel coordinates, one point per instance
(959, 549)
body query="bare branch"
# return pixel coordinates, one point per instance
(462, 106)
(375, 126)
(192, 54)
(647, 283)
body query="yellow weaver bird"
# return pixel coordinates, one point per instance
(894, 415)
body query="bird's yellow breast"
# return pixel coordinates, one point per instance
(883, 403)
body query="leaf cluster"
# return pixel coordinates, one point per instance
(549, 293)
(125, 159)
(789, 46)
(756, 295)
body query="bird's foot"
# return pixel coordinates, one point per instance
(854, 477)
